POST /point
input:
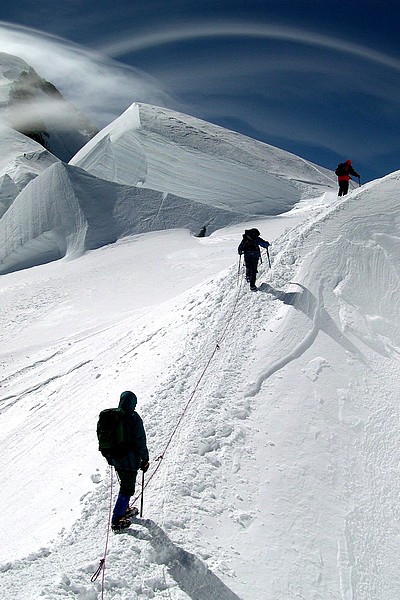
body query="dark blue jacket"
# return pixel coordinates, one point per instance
(137, 438)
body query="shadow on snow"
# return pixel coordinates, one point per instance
(190, 573)
(314, 309)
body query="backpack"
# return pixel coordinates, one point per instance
(112, 433)
(249, 245)
(342, 169)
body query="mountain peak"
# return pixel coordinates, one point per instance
(36, 108)
(161, 149)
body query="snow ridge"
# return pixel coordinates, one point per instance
(175, 153)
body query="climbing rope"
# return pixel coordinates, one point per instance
(196, 387)
(102, 564)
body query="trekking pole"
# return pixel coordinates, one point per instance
(238, 275)
(269, 261)
(141, 496)
(359, 182)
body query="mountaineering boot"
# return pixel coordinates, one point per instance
(131, 511)
(120, 523)
(253, 288)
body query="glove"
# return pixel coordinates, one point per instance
(144, 465)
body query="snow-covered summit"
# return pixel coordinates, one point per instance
(35, 107)
(161, 149)
(151, 169)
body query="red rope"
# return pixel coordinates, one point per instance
(102, 564)
(217, 347)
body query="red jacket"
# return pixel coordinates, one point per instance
(349, 171)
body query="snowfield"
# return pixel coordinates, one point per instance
(282, 478)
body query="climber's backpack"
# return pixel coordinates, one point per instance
(342, 169)
(112, 433)
(248, 244)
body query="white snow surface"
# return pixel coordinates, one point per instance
(282, 479)
(21, 160)
(151, 169)
(164, 150)
(66, 211)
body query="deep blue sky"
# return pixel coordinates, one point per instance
(319, 78)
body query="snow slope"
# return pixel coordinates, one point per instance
(281, 481)
(161, 149)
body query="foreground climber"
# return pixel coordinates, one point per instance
(250, 248)
(122, 440)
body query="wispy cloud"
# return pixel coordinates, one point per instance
(287, 85)
(135, 41)
(98, 86)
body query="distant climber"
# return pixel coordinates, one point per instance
(250, 248)
(127, 452)
(343, 172)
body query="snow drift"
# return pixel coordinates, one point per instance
(67, 211)
(174, 153)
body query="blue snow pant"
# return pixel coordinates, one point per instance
(251, 263)
(127, 480)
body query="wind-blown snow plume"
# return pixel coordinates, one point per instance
(99, 87)
(37, 109)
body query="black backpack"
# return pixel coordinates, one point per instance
(112, 433)
(342, 169)
(249, 243)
